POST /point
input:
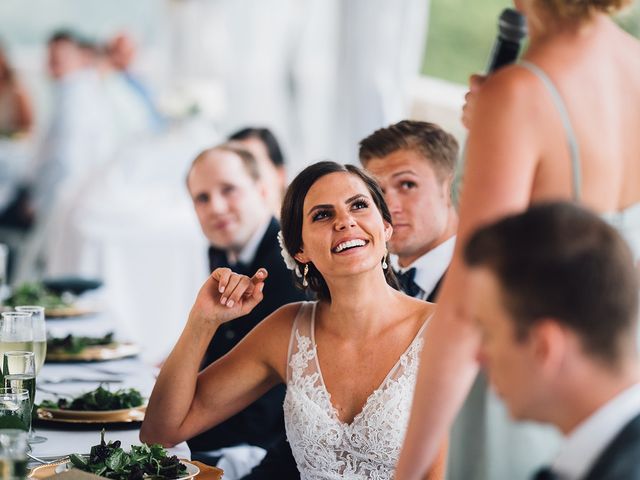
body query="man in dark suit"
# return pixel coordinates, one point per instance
(414, 163)
(229, 200)
(555, 294)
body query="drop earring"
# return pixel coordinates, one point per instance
(385, 265)
(304, 275)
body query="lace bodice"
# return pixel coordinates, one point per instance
(327, 448)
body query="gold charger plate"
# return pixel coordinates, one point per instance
(81, 416)
(112, 351)
(50, 469)
(67, 312)
(45, 471)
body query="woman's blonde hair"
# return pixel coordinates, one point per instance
(579, 10)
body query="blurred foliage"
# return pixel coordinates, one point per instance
(629, 19)
(461, 34)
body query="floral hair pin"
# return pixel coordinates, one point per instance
(288, 259)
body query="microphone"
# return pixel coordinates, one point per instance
(512, 28)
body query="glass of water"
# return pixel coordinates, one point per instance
(16, 332)
(13, 454)
(20, 373)
(39, 332)
(15, 409)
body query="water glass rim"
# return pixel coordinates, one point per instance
(29, 308)
(17, 314)
(18, 353)
(17, 392)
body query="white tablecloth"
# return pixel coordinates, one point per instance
(133, 373)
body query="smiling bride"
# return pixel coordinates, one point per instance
(349, 360)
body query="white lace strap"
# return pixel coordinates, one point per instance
(301, 326)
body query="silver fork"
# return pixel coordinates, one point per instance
(56, 380)
(48, 459)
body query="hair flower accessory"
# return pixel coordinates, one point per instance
(288, 259)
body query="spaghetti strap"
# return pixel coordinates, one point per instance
(566, 122)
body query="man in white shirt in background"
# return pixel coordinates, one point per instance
(414, 163)
(555, 294)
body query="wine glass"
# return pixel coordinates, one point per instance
(39, 332)
(20, 373)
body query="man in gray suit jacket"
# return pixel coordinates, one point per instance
(555, 294)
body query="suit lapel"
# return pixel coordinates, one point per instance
(217, 258)
(615, 460)
(266, 245)
(434, 293)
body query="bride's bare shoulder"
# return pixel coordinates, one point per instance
(280, 321)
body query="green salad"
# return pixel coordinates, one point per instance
(35, 294)
(76, 344)
(99, 399)
(111, 461)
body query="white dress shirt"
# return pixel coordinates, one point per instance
(588, 440)
(430, 267)
(248, 253)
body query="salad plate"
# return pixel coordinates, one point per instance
(95, 353)
(135, 414)
(97, 406)
(50, 469)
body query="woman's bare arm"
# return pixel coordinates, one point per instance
(184, 402)
(501, 162)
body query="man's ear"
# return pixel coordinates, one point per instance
(550, 344)
(262, 189)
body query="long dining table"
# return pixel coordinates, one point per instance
(59, 379)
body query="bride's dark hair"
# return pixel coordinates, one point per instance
(292, 214)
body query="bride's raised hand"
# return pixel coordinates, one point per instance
(227, 295)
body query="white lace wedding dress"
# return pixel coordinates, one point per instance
(325, 447)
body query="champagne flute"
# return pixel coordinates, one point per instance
(39, 332)
(20, 373)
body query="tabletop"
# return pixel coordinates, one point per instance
(77, 378)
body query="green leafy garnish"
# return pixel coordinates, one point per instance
(35, 294)
(76, 344)
(111, 461)
(99, 399)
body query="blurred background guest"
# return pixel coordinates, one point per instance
(121, 53)
(16, 112)
(81, 133)
(264, 146)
